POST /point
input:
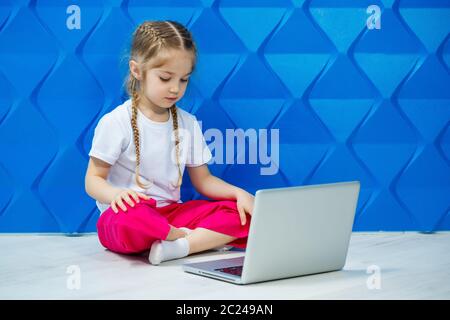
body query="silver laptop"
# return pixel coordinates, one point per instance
(294, 231)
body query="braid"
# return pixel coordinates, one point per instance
(173, 110)
(134, 126)
(148, 31)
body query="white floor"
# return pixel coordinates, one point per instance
(407, 265)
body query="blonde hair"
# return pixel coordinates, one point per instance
(150, 39)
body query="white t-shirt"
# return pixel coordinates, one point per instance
(113, 143)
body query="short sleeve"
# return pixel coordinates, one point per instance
(108, 141)
(198, 153)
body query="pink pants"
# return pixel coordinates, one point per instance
(135, 230)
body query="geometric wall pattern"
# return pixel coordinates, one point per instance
(350, 102)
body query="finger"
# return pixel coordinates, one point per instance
(135, 196)
(121, 205)
(242, 214)
(144, 196)
(113, 206)
(128, 200)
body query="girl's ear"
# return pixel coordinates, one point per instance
(134, 69)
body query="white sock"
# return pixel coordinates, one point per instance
(163, 250)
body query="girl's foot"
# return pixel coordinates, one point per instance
(162, 250)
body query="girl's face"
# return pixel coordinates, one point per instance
(167, 81)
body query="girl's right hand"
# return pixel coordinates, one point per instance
(125, 195)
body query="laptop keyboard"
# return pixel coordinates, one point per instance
(237, 270)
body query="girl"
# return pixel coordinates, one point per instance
(139, 153)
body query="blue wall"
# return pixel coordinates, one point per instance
(351, 103)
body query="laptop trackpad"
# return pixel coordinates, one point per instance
(213, 265)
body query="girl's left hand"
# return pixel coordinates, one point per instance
(244, 203)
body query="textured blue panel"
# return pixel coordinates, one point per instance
(350, 103)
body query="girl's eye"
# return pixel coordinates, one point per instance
(165, 80)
